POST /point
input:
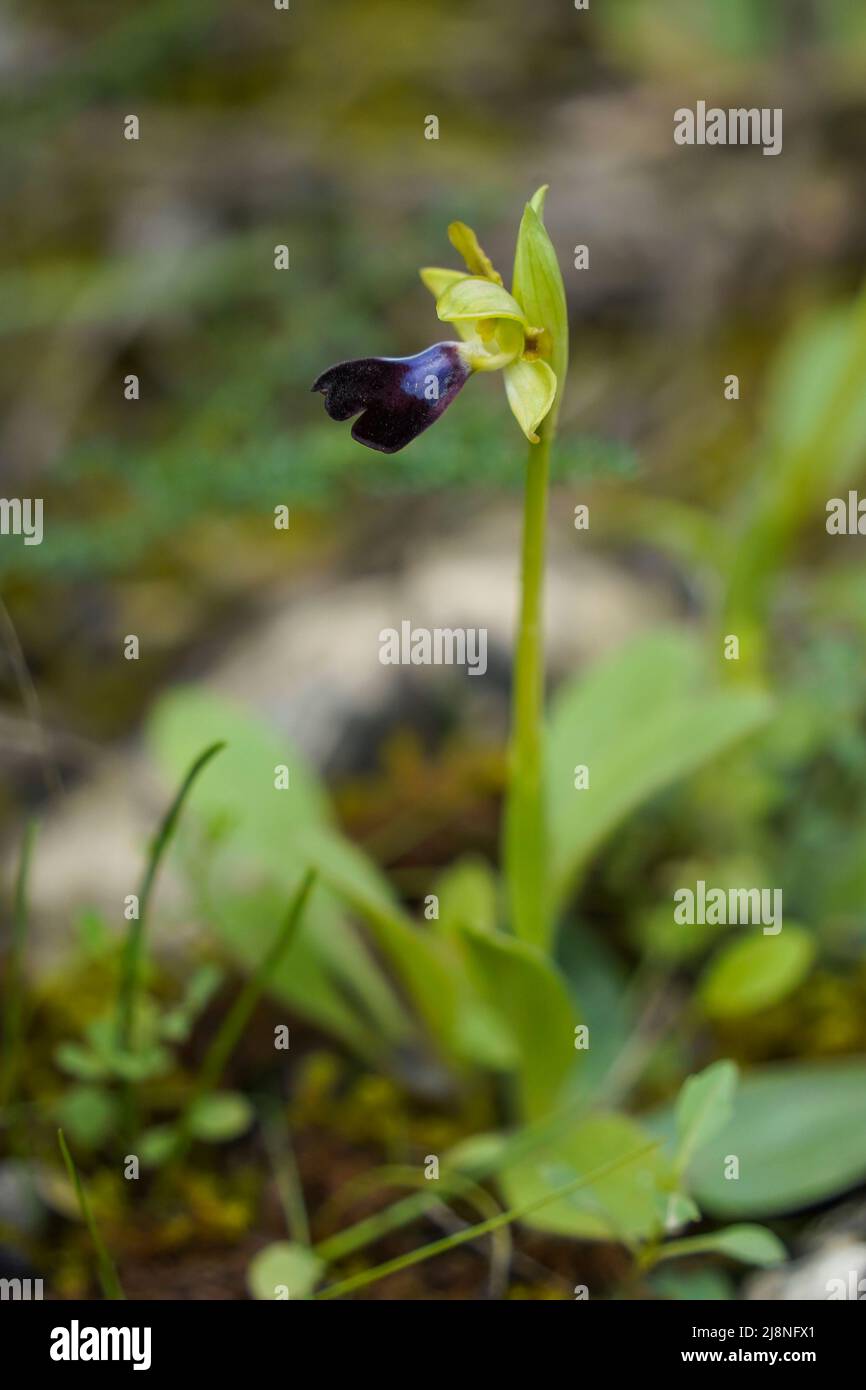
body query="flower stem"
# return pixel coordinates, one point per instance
(525, 844)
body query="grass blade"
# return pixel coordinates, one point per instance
(108, 1276)
(132, 956)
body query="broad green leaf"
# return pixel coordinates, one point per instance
(755, 972)
(284, 1270)
(530, 387)
(639, 720)
(477, 299)
(537, 286)
(798, 1134)
(704, 1107)
(622, 1206)
(265, 841)
(751, 1245)
(220, 1116)
(529, 997)
(466, 244)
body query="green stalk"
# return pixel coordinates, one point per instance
(131, 968)
(14, 1011)
(525, 847)
(483, 1228)
(108, 1276)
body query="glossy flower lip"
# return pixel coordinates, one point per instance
(400, 397)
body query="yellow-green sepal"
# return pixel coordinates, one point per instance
(474, 298)
(467, 245)
(538, 287)
(530, 386)
(438, 279)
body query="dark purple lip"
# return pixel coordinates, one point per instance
(400, 396)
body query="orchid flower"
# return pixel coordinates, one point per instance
(521, 334)
(524, 335)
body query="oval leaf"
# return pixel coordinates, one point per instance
(284, 1270)
(754, 973)
(221, 1116)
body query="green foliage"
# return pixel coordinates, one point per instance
(278, 835)
(642, 719)
(798, 1132)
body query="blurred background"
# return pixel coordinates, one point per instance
(155, 257)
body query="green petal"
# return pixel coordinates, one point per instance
(491, 344)
(466, 244)
(538, 287)
(439, 280)
(531, 389)
(477, 299)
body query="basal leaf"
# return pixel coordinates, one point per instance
(266, 839)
